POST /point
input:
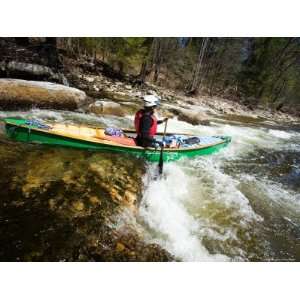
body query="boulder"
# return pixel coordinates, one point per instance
(116, 96)
(106, 108)
(20, 94)
(190, 116)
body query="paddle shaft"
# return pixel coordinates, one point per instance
(161, 157)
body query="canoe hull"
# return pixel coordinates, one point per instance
(32, 135)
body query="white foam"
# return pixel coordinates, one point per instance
(163, 209)
(244, 139)
(280, 134)
(175, 207)
(223, 188)
(69, 117)
(288, 201)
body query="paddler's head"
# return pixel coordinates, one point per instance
(150, 103)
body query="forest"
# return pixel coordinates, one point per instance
(258, 71)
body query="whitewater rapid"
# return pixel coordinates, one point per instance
(242, 203)
(198, 211)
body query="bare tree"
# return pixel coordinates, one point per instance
(197, 77)
(155, 58)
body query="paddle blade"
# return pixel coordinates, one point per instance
(161, 157)
(161, 161)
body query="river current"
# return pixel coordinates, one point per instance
(240, 204)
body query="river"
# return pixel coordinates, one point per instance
(241, 204)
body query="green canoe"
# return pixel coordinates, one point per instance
(83, 137)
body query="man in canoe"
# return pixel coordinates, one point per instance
(146, 123)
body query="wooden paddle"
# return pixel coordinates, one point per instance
(161, 157)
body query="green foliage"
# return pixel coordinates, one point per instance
(120, 52)
(129, 51)
(269, 73)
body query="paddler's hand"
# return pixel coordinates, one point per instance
(159, 144)
(162, 121)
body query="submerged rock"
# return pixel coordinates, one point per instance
(18, 94)
(64, 205)
(120, 247)
(78, 205)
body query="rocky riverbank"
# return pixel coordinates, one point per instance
(194, 110)
(127, 93)
(99, 95)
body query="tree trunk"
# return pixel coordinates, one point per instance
(157, 58)
(197, 78)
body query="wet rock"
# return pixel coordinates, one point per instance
(18, 94)
(99, 180)
(52, 204)
(95, 200)
(89, 79)
(120, 247)
(137, 94)
(96, 88)
(123, 186)
(190, 116)
(78, 205)
(106, 108)
(130, 197)
(131, 107)
(117, 96)
(73, 199)
(153, 92)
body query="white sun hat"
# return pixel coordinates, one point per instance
(151, 100)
